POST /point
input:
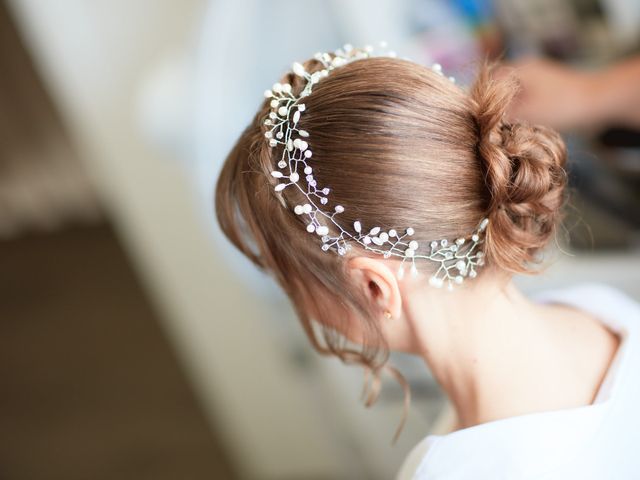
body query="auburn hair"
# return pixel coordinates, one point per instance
(399, 145)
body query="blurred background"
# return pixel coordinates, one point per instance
(135, 343)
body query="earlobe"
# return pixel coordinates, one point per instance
(379, 283)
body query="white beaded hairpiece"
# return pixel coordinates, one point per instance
(457, 259)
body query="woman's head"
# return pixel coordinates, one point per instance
(399, 145)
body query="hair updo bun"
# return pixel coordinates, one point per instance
(524, 175)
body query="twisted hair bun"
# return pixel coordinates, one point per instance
(524, 174)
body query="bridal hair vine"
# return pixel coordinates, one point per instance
(456, 259)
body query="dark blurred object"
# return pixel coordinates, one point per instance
(619, 151)
(90, 386)
(621, 138)
(604, 210)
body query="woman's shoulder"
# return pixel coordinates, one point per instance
(527, 443)
(601, 299)
(586, 289)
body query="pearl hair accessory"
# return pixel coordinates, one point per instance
(457, 259)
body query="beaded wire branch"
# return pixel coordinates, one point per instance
(457, 259)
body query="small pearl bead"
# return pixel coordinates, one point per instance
(414, 270)
(298, 69)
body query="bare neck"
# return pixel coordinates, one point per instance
(497, 354)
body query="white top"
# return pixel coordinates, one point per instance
(596, 441)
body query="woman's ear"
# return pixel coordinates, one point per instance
(378, 282)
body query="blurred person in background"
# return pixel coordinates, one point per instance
(567, 98)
